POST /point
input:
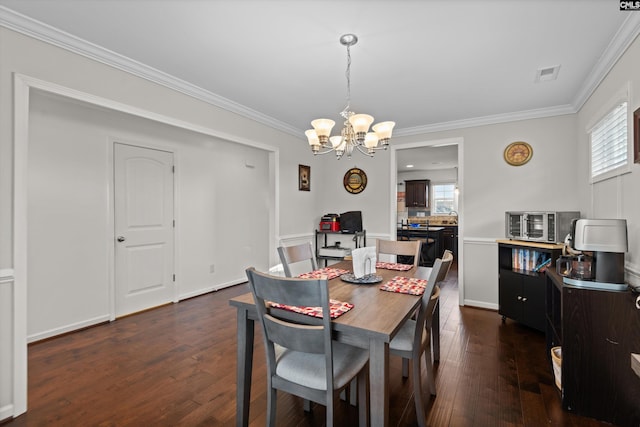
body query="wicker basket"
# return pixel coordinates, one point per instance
(556, 358)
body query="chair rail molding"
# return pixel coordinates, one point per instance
(6, 275)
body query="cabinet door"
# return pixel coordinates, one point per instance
(416, 194)
(510, 295)
(600, 331)
(533, 301)
(448, 239)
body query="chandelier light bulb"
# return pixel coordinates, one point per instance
(336, 141)
(323, 129)
(370, 140)
(383, 129)
(361, 123)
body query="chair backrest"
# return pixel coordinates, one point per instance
(293, 254)
(314, 337)
(447, 260)
(427, 304)
(399, 247)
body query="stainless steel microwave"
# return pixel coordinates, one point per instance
(548, 227)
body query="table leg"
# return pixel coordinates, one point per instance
(245, 365)
(379, 382)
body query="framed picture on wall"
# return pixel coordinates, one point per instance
(636, 136)
(304, 178)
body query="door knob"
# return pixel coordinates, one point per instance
(121, 239)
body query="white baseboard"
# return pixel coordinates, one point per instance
(481, 304)
(207, 289)
(67, 328)
(6, 412)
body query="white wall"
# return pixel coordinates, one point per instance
(616, 197)
(222, 210)
(373, 201)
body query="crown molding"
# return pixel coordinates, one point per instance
(626, 34)
(40, 31)
(48, 34)
(487, 120)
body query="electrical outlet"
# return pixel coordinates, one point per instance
(212, 268)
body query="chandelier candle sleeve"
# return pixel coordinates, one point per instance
(355, 134)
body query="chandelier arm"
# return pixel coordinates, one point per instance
(328, 150)
(363, 150)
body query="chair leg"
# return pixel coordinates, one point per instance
(417, 391)
(271, 406)
(405, 368)
(363, 398)
(429, 369)
(332, 399)
(435, 332)
(353, 392)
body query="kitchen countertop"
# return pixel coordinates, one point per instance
(406, 228)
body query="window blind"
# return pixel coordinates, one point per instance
(609, 142)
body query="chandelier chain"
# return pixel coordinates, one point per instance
(347, 109)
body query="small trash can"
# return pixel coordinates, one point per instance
(556, 358)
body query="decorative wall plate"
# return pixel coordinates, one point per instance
(355, 180)
(518, 153)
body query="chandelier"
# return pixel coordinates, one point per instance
(355, 133)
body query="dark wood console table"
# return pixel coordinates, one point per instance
(598, 331)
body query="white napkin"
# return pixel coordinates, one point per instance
(364, 261)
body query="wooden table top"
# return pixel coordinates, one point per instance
(376, 314)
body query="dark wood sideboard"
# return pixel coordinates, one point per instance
(598, 331)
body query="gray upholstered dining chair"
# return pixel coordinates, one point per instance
(413, 340)
(294, 254)
(399, 247)
(302, 358)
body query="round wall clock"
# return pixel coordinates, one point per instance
(355, 180)
(518, 153)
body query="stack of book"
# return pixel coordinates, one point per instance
(529, 260)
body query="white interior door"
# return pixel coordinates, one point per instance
(144, 225)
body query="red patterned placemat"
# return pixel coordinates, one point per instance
(393, 266)
(405, 285)
(331, 273)
(337, 308)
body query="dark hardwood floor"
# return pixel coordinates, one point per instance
(176, 366)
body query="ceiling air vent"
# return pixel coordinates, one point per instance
(547, 74)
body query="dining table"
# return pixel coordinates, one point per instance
(377, 315)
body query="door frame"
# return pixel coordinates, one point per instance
(111, 222)
(393, 200)
(22, 86)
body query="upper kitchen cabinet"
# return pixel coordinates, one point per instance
(417, 193)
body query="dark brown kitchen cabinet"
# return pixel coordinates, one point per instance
(417, 193)
(598, 331)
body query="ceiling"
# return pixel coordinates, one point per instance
(427, 65)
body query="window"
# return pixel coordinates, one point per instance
(609, 148)
(444, 199)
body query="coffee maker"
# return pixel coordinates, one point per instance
(602, 244)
